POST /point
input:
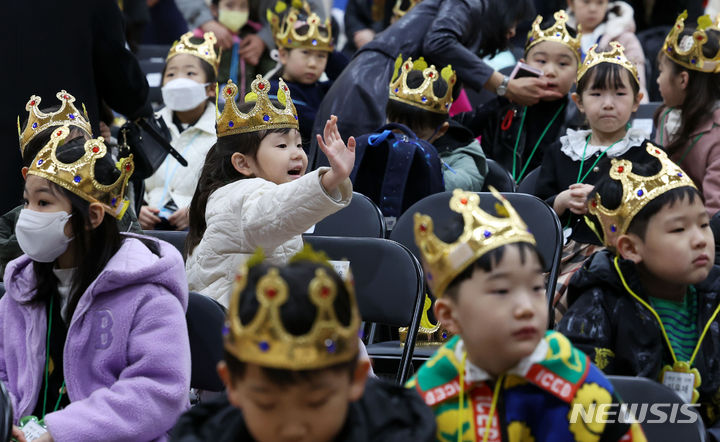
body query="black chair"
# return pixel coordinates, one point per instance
(174, 237)
(527, 185)
(498, 177)
(146, 52)
(2, 289)
(361, 218)
(153, 68)
(646, 111)
(388, 287)
(638, 390)
(6, 414)
(205, 320)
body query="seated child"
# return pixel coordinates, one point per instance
(503, 377)
(515, 136)
(291, 365)
(188, 80)
(253, 191)
(647, 305)
(689, 120)
(607, 93)
(93, 338)
(305, 49)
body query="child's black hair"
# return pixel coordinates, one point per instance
(298, 315)
(605, 76)
(546, 23)
(218, 171)
(498, 17)
(701, 94)
(414, 117)
(610, 192)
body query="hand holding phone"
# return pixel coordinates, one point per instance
(525, 70)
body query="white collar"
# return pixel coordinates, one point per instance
(474, 373)
(206, 123)
(573, 144)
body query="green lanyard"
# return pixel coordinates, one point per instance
(582, 162)
(532, 153)
(47, 365)
(662, 123)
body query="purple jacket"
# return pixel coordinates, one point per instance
(127, 354)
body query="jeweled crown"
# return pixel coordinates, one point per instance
(687, 50)
(204, 50)
(616, 55)
(79, 176)
(399, 11)
(38, 121)
(482, 232)
(637, 192)
(422, 96)
(285, 32)
(557, 33)
(263, 116)
(265, 341)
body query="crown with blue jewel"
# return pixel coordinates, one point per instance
(422, 96)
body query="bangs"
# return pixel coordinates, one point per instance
(606, 76)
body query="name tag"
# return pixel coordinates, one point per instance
(680, 383)
(567, 231)
(342, 268)
(32, 429)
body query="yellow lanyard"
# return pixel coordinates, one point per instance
(493, 404)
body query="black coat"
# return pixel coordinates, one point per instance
(443, 31)
(385, 413)
(602, 315)
(51, 45)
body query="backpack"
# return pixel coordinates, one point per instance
(396, 169)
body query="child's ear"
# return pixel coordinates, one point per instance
(638, 98)
(24, 172)
(283, 55)
(684, 79)
(241, 163)
(226, 378)
(578, 101)
(444, 309)
(96, 213)
(359, 378)
(210, 90)
(440, 132)
(629, 246)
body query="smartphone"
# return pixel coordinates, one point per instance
(525, 70)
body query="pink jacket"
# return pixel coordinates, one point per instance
(702, 162)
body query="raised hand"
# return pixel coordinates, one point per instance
(340, 156)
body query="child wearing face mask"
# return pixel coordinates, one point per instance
(93, 338)
(188, 88)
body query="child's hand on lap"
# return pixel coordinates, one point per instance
(574, 198)
(341, 157)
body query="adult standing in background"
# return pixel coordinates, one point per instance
(52, 45)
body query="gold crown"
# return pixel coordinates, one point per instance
(616, 55)
(38, 121)
(398, 10)
(285, 29)
(79, 176)
(483, 232)
(557, 33)
(263, 116)
(688, 52)
(204, 50)
(422, 96)
(265, 341)
(637, 192)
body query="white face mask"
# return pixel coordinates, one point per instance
(233, 20)
(41, 235)
(183, 94)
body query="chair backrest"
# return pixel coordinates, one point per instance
(498, 177)
(388, 283)
(361, 218)
(174, 237)
(205, 320)
(540, 218)
(146, 52)
(152, 68)
(527, 185)
(640, 392)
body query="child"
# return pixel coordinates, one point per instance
(189, 114)
(642, 307)
(305, 49)
(420, 99)
(490, 289)
(291, 365)
(602, 22)
(515, 136)
(253, 191)
(689, 126)
(93, 339)
(608, 93)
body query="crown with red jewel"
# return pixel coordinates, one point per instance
(557, 33)
(422, 96)
(687, 50)
(264, 340)
(38, 121)
(285, 30)
(79, 176)
(204, 50)
(615, 55)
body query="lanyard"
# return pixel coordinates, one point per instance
(689, 148)
(169, 176)
(687, 151)
(47, 365)
(662, 123)
(662, 327)
(517, 141)
(582, 162)
(461, 404)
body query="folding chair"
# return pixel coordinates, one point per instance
(152, 68)
(497, 177)
(448, 225)
(6, 414)
(388, 287)
(174, 237)
(361, 218)
(638, 390)
(205, 320)
(527, 185)
(152, 52)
